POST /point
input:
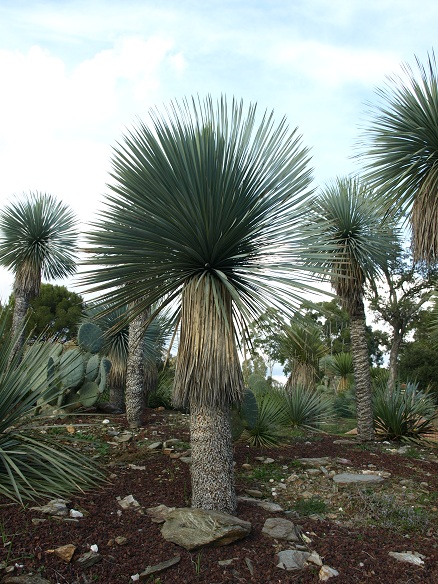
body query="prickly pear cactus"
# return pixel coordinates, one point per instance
(78, 375)
(72, 368)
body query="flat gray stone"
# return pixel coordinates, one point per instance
(314, 462)
(171, 442)
(266, 505)
(157, 568)
(124, 437)
(327, 572)
(292, 559)
(347, 478)
(25, 579)
(57, 507)
(254, 493)
(195, 528)
(159, 513)
(155, 445)
(88, 559)
(279, 528)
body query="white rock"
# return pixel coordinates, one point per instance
(135, 577)
(314, 558)
(128, 502)
(410, 557)
(326, 572)
(74, 513)
(94, 548)
(105, 421)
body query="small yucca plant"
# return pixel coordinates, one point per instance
(306, 407)
(341, 365)
(33, 464)
(270, 426)
(406, 413)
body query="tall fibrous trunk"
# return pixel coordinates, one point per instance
(26, 287)
(209, 379)
(134, 394)
(362, 375)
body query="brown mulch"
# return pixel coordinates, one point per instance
(358, 551)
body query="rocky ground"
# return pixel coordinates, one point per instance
(351, 508)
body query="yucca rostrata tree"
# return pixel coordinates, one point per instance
(400, 151)
(37, 240)
(302, 348)
(204, 210)
(351, 229)
(129, 358)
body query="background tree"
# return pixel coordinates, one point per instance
(349, 227)
(398, 302)
(115, 326)
(400, 150)
(419, 356)
(55, 312)
(37, 240)
(334, 323)
(202, 199)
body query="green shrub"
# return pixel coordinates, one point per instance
(310, 506)
(162, 395)
(384, 510)
(405, 413)
(344, 405)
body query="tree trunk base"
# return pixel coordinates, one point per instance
(212, 459)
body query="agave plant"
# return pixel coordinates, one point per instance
(271, 424)
(406, 413)
(33, 464)
(307, 408)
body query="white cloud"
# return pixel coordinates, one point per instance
(333, 66)
(58, 123)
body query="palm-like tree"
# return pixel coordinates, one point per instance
(134, 354)
(204, 210)
(302, 347)
(37, 240)
(400, 148)
(357, 242)
(341, 366)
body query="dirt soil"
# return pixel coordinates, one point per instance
(352, 529)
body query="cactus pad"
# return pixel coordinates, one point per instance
(88, 394)
(92, 369)
(72, 368)
(90, 337)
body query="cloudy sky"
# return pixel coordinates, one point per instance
(74, 74)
